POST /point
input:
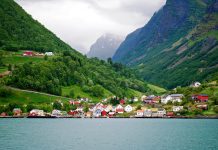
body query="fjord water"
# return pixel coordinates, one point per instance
(108, 134)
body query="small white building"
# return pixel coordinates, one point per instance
(195, 84)
(161, 112)
(37, 112)
(56, 112)
(147, 113)
(140, 113)
(49, 53)
(135, 99)
(177, 108)
(80, 109)
(143, 97)
(173, 98)
(99, 106)
(97, 113)
(128, 108)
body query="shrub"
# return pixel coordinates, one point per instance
(72, 94)
(5, 92)
(215, 109)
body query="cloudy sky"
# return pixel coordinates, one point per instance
(81, 22)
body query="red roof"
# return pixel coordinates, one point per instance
(201, 97)
(28, 53)
(120, 110)
(122, 101)
(103, 113)
(3, 114)
(72, 113)
(170, 114)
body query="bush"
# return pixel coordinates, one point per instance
(215, 109)
(5, 92)
(72, 94)
(97, 91)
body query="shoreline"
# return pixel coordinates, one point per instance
(48, 117)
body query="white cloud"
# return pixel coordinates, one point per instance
(81, 22)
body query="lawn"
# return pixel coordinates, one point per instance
(79, 93)
(156, 88)
(28, 97)
(21, 59)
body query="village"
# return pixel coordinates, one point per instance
(151, 106)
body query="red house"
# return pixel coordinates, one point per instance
(103, 113)
(200, 97)
(3, 114)
(28, 53)
(170, 114)
(122, 101)
(73, 113)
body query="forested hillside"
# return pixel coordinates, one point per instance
(19, 31)
(92, 75)
(68, 73)
(177, 46)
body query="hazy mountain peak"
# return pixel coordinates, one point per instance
(105, 46)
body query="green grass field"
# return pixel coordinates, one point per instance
(21, 59)
(24, 97)
(156, 88)
(17, 58)
(79, 93)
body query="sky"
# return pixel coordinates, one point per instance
(81, 22)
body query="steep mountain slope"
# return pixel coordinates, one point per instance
(67, 72)
(19, 31)
(105, 46)
(177, 46)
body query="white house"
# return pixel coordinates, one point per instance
(135, 99)
(161, 112)
(143, 97)
(56, 112)
(195, 84)
(147, 113)
(177, 108)
(173, 98)
(140, 113)
(99, 106)
(114, 108)
(128, 108)
(37, 112)
(49, 53)
(80, 109)
(97, 113)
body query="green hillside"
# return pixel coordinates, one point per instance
(19, 31)
(178, 45)
(93, 76)
(68, 73)
(25, 97)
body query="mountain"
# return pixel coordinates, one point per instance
(105, 46)
(68, 73)
(18, 30)
(177, 46)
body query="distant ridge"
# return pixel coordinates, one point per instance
(105, 46)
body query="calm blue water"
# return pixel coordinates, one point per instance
(108, 134)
